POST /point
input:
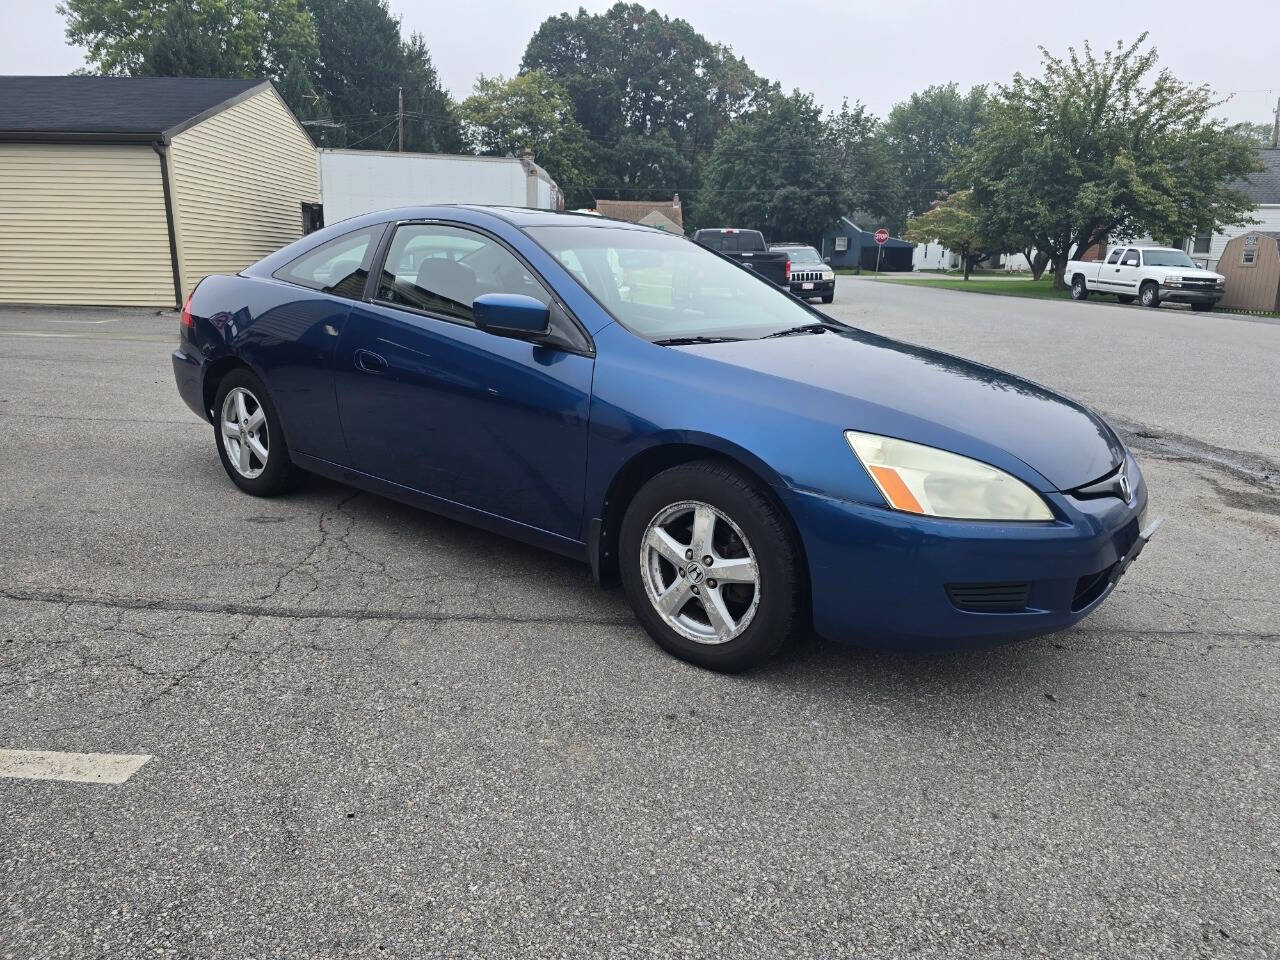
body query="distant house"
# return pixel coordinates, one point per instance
(662, 214)
(848, 245)
(1263, 189)
(129, 190)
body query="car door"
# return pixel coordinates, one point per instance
(1108, 271)
(433, 403)
(1124, 277)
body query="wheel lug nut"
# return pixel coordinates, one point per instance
(694, 589)
(711, 584)
(688, 554)
(707, 561)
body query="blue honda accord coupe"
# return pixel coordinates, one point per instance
(745, 466)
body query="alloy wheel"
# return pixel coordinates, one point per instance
(244, 433)
(700, 572)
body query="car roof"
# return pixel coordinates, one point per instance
(519, 217)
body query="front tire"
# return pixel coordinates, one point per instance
(250, 441)
(1202, 307)
(828, 297)
(1149, 295)
(1078, 289)
(709, 567)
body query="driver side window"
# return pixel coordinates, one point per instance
(1131, 259)
(441, 270)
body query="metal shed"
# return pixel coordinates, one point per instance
(1251, 264)
(130, 190)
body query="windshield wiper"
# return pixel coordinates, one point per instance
(806, 328)
(684, 341)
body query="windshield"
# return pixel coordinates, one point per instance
(1167, 258)
(662, 286)
(801, 254)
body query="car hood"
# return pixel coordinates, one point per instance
(864, 381)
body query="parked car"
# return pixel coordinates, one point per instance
(810, 275)
(748, 248)
(745, 465)
(1151, 275)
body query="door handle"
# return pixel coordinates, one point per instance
(370, 362)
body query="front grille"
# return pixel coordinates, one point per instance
(989, 597)
(1199, 285)
(805, 277)
(1090, 587)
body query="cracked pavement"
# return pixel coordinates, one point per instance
(379, 733)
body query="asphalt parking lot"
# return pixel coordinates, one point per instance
(378, 733)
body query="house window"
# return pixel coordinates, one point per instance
(1250, 252)
(1201, 243)
(842, 244)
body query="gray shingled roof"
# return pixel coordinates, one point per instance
(1264, 187)
(110, 108)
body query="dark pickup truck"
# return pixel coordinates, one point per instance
(749, 249)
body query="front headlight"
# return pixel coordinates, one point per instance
(925, 480)
(828, 275)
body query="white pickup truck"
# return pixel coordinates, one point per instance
(1150, 275)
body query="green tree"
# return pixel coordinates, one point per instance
(1097, 148)
(360, 68)
(651, 93)
(953, 223)
(771, 171)
(860, 155)
(530, 111)
(1261, 132)
(925, 135)
(190, 38)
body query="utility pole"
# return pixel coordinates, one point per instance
(400, 117)
(1275, 127)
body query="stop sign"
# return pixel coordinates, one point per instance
(882, 235)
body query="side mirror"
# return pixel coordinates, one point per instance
(826, 259)
(511, 315)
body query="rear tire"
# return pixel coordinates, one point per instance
(734, 612)
(1124, 298)
(1078, 289)
(1149, 294)
(250, 441)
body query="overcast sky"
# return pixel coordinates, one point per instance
(877, 52)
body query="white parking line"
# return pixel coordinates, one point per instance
(72, 767)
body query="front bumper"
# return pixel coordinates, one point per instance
(897, 581)
(1179, 295)
(820, 288)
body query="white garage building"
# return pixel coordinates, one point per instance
(129, 190)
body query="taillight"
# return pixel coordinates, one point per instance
(788, 271)
(187, 323)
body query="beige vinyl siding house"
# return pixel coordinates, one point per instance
(83, 225)
(129, 190)
(238, 181)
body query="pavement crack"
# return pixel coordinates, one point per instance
(69, 598)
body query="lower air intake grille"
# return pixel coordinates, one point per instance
(989, 597)
(1090, 588)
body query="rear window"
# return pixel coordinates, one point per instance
(338, 266)
(740, 241)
